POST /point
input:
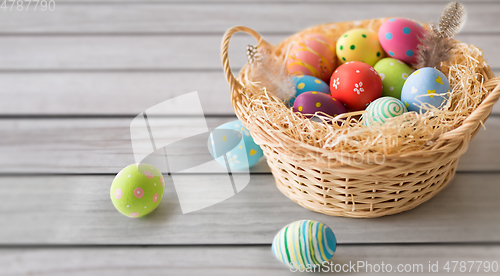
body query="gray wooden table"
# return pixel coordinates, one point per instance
(72, 80)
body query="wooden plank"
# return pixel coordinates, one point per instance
(109, 93)
(160, 52)
(179, 17)
(112, 93)
(104, 146)
(178, 52)
(77, 210)
(97, 145)
(231, 260)
(150, 52)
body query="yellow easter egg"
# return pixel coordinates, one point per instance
(359, 45)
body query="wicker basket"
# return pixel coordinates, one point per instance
(354, 189)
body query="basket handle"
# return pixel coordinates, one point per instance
(233, 82)
(480, 114)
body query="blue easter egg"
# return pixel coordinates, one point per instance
(424, 86)
(306, 83)
(232, 142)
(304, 243)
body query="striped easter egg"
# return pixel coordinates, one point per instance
(304, 243)
(312, 55)
(380, 110)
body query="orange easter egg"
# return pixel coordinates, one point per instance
(312, 55)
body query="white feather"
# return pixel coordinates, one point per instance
(272, 74)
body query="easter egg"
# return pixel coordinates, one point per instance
(423, 86)
(400, 37)
(382, 109)
(232, 142)
(393, 73)
(304, 83)
(312, 55)
(311, 102)
(359, 45)
(137, 190)
(356, 84)
(304, 243)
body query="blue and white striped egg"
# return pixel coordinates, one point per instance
(304, 83)
(382, 109)
(233, 140)
(304, 243)
(426, 85)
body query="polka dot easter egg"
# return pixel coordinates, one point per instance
(304, 243)
(312, 55)
(137, 190)
(305, 83)
(393, 73)
(359, 45)
(356, 84)
(400, 37)
(382, 109)
(425, 86)
(308, 103)
(233, 141)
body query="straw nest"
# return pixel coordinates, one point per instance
(347, 169)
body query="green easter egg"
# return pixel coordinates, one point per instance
(393, 73)
(137, 190)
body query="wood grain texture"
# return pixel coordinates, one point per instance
(216, 17)
(112, 93)
(113, 58)
(129, 57)
(78, 210)
(109, 93)
(151, 52)
(98, 145)
(225, 260)
(103, 146)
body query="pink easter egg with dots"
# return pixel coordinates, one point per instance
(312, 55)
(400, 38)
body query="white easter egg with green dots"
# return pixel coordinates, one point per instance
(137, 190)
(382, 109)
(393, 73)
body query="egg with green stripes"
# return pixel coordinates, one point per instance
(304, 243)
(382, 109)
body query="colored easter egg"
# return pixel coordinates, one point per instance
(393, 73)
(304, 83)
(424, 86)
(311, 102)
(232, 142)
(356, 84)
(304, 243)
(400, 37)
(137, 190)
(382, 109)
(312, 55)
(359, 45)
